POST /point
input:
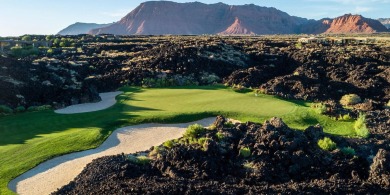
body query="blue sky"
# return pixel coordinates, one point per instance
(18, 17)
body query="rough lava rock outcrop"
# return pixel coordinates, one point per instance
(281, 160)
(26, 84)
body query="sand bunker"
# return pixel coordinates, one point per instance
(108, 100)
(55, 173)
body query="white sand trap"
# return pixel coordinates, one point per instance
(55, 173)
(108, 100)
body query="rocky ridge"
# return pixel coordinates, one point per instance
(28, 85)
(165, 17)
(156, 18)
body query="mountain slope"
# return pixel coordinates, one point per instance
(345, 24)
(80, 28)
(385, 22)
(164, 17)
(355, 24)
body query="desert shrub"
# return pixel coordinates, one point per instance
(326, 144)
(249, 165)
(259, 91)
(24, 51)
(140, 160)
(32, 108)
(388, 105)
(319, 108)
(347, 117)
(193, 131)
(207, 78)
(229, 124)
(350, 99)
(238, 87)
(360, 126)
(220, 136)
(299, 45)
(39, 108)
(143, 160)
(245, 152)
(168, 144)
(20, 109)
(202, 140)
(5, 109)
(212, 127)
(156, 150)
(348, 151)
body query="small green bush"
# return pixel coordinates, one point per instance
(327, 144)
(347, 117)
(245, 152)
(259, 91)
(249, 165)
(143, 160)
(32, 108)
(5, 109)
(169, 144)
(360, 126)
(220, 136)
(212, 127)
(229, 124)
(202, 140)
(350, 99)
(193, 131)
(348, 151)
(319, 108)
(156, 150)
(20, 109)
(39, 108)
(299, 45)
(140, 160)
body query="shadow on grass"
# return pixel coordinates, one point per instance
(197, 87)
(18, 128)
(296, 102)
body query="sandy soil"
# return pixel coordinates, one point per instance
(108, 100)
(57, 172)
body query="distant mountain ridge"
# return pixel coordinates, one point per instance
(166, 17)
(80, 28)
(385, 22)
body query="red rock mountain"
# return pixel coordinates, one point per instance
(164, 17)
(355, 24)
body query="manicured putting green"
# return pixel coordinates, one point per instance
(31, 138)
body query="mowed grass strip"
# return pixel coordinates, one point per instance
(31, 138)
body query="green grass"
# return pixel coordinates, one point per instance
(30, 138)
